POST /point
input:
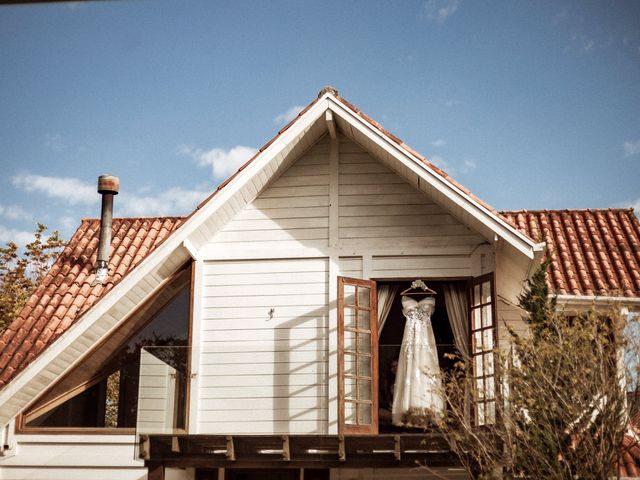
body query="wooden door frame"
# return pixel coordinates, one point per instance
(373, 332)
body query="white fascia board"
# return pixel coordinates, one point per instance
(451, 191)
(588, 300)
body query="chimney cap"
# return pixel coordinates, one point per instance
(108, 184)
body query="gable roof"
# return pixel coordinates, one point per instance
(357, 126)
(593, 252)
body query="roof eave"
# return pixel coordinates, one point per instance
(586, 301)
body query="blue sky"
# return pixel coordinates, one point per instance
(531, 105)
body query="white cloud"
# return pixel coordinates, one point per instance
(173, 201)
(20, 237)
(588, 45)
(631, 148)
(439, 162)
(560, 17)
(55, 142)
(69, 223)
(440, 142)
(440, 10)
(14, 212)
(223, 162)
(468, 166)
(289, 115)
(71, 190)
(453, 167)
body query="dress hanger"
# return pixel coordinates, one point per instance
(416, 284)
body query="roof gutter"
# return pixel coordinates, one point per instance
(597, 299)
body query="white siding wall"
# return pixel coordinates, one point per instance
(508, 286)
(263, 374)
(73, 457)
(263, 347)
(350, 267)
(156, 395)
(292, 212)
(421, 266)
(380, 209)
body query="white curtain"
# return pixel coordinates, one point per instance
(386, 294)
(455, 298)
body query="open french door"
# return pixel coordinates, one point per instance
(357, 356)
(482, 313)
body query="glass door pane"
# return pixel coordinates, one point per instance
(483, 343)
(357, 356)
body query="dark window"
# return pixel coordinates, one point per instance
(110, 398)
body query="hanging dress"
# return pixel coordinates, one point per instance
(418, 398)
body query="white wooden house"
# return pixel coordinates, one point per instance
(221, 345)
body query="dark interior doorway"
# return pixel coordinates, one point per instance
(390, 340)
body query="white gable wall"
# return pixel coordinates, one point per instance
(380, 209)
(267, 317)
(292, 212)
(263, 346)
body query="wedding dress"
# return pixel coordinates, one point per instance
(417, 397)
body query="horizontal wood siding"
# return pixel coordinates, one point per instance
(263, 366)
(156, 395)
(351, 267)
(73, 457)
(380, 209)
(508, 287)
(292, 212)
(422, 266)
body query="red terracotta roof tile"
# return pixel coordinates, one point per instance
(66, 291)
(629, 454)
(593, 252)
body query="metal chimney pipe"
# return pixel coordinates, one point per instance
(108, 186)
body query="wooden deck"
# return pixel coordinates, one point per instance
(295, 451)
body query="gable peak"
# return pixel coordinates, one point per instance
(328, 89)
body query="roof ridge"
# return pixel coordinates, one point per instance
(546, 210)
(155, 217)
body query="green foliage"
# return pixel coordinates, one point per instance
(568, 404)
(21, 272)
(536, 301)
(561, 409)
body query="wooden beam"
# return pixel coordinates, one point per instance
(231, 451)
(156, 471)
(145, 447)
(286, 451)
(331, 124)
(300, 451)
